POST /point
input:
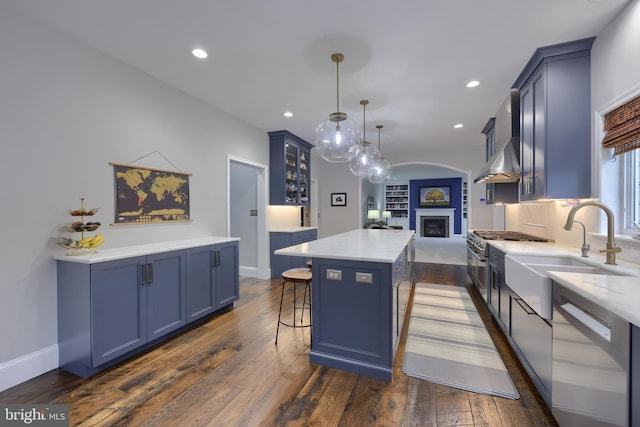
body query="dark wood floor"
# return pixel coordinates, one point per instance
(228, 372)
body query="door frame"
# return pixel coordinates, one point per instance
(262, 269)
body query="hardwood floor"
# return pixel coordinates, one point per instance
(228, 372)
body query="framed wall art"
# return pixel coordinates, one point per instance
(338, 199)
(435, 196)
(145, 195)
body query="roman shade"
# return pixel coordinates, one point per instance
(622, 127)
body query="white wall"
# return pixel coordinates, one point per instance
(65, 112)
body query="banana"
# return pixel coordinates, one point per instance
(91, 242)
(97, 240)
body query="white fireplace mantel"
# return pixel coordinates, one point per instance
(448, 212)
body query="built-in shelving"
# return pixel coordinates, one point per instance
(397, 200)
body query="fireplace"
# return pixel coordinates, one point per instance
(435, 226)
(431, 213)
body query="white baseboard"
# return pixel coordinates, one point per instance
(253, 272)
(29, 366)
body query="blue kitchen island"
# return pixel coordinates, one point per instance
(361, 285)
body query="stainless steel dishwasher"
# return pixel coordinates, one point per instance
(590, 367)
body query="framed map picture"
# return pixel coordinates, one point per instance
(145, 195)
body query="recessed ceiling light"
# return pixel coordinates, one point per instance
(473, 83)
(199, 53)
(457, 125)
(288, 114)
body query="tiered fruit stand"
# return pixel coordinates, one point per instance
(83, 245)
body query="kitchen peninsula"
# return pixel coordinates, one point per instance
(361, 285)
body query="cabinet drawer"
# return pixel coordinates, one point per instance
(533, 336)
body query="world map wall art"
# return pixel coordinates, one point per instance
(147, 196)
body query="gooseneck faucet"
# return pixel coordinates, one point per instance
(585, 248)
(611, 244)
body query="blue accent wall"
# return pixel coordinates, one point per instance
(456, 199)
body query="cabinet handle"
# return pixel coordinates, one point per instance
(150, 273)
(524, 306)
(144, 274)
(217, 257)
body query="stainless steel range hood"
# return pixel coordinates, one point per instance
(504, 165)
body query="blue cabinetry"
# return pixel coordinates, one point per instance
(289, 169)
(358, 316)
(212, 278)
(108, 311)
(283, 239)
(555, 104)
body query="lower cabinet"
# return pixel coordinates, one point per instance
(212, 278)
(495, 288)
(108, 311)
(283, 239)
(531, 338)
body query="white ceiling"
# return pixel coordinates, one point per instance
(410, 58)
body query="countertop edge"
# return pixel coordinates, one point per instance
(112, 254)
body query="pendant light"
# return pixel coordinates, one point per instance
(366, 155)
(381, 171)
(337, 138)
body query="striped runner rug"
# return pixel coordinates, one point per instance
(448, 344)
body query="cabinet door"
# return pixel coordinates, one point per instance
(533, 137)
(227, 281)
(166, 303)
(118, 308)
(199, 282)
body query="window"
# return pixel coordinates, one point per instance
(631, 179)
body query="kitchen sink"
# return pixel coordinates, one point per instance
(527, 276)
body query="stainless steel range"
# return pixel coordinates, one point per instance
(478, 252)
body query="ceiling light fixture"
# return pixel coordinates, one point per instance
(458, 125)
(288, 114)
(337, 138)
(473, 83)
(199, 53)
(366, 154)
(381, 171)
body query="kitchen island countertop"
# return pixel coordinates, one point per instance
(377, 245)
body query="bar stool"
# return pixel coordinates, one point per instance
(295, 276)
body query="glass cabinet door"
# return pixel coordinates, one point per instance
(291, 177)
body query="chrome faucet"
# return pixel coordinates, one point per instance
(585, 248)
(611, 244)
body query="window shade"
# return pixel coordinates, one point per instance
(622, 127)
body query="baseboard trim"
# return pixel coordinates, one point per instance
(253, 272)
(29, 366)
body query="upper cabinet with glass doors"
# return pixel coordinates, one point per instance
(290, 169)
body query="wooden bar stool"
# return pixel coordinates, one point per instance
(295, 276)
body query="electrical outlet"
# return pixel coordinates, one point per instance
(364, 277)
(334, 274)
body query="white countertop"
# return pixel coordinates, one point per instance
(291, 229)
(112, 254)
(618, 294)
(374, 245)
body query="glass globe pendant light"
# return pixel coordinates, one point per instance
(381, 170)
(366, 155)
(337, 138)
